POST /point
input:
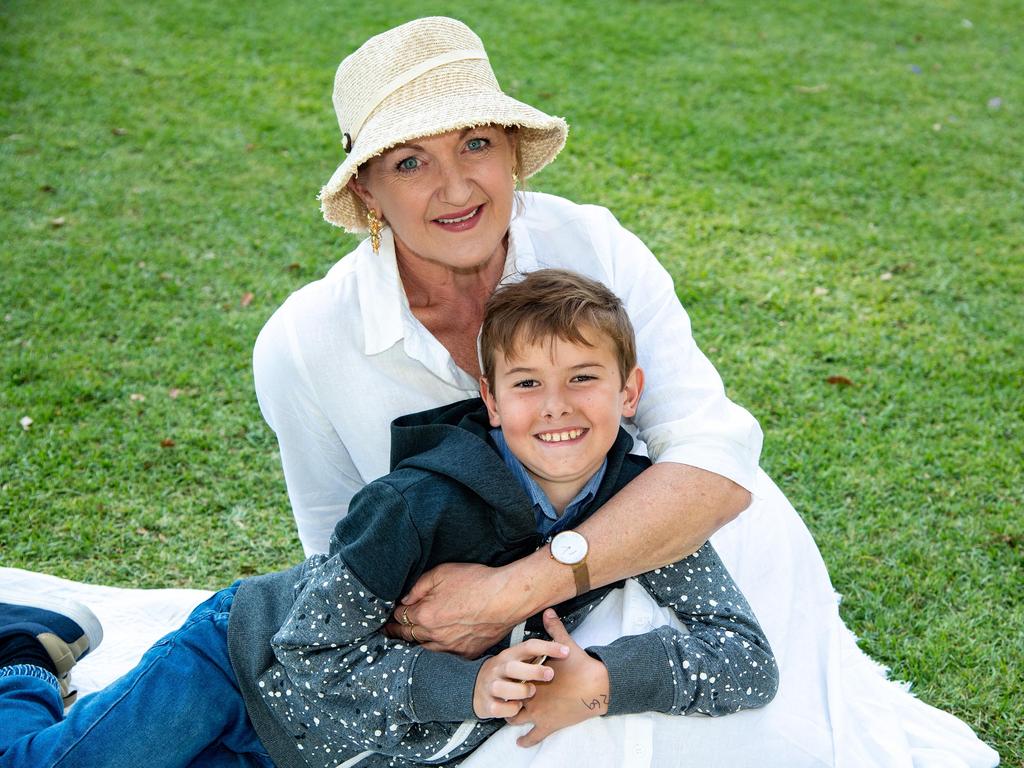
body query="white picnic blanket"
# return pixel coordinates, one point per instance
(834, 707)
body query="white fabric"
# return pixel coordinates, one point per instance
(344, 356)
(834, 706)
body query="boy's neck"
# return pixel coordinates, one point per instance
(559, 494)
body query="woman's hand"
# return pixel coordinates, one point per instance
(579, 690)
(460, 608)
(505, 681)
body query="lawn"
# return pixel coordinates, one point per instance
(837, 189)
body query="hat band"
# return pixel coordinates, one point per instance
(407, 77)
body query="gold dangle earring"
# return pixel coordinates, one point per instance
(375, 225)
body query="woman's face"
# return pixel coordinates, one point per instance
(447, 198)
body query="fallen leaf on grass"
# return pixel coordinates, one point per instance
(167, 443)
(48, 189)
(820, 290)
(58, 222)
(136, 397)
(26, 422)
(119, 131)
(885, 276)
(247, 298)
(839, 381)
(294, 267)
(811, 88)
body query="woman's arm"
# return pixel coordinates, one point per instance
(466, 608)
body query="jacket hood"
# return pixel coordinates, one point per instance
(454, 441)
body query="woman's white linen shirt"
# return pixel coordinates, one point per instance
(344, 356)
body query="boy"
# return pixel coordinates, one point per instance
(299, 657)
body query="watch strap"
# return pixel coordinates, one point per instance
(581, 574)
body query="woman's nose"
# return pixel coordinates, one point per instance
(455, 187)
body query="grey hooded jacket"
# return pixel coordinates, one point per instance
(324, 686)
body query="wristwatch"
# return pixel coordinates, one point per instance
(570, 548)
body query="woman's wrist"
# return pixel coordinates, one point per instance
(534, 583)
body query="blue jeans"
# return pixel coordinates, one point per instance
(179, 707)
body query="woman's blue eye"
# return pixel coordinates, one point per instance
(408, 164)
(476, 144)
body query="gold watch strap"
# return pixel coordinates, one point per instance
(581, 574)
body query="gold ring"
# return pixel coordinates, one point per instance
(405, 617)
(412, 631)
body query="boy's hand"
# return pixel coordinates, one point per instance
(578, 691)
(455, 607)
(506, 680)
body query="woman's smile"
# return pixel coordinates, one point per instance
(461, 222)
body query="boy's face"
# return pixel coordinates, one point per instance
(559, 405)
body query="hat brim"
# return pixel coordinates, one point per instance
(540, 137)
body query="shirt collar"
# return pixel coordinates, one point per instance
(382, 302)
(548, 520)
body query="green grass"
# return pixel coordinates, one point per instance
(831, 185)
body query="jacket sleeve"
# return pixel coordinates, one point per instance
(684, 416)
(345, 678)
(722, 665)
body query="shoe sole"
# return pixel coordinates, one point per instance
(25, 595)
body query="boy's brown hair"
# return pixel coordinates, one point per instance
(554, 303)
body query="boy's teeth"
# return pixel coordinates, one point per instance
(468, 216)
(557, 437)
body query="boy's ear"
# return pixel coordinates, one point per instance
(490, 402)
(633, 389)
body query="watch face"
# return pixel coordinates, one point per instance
(569, 547)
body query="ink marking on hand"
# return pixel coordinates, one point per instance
(595, 703)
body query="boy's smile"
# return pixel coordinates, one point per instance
(559, 405)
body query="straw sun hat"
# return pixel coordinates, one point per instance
(424, 78)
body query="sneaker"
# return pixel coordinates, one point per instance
(66, 629)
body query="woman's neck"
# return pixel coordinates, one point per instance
(450, 302)
(429, 283)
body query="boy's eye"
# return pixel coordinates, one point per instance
(474, 145)
(408, 164)
(584, 377)
(526, 384)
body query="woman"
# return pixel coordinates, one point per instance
(397, 323)
(434, 154)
